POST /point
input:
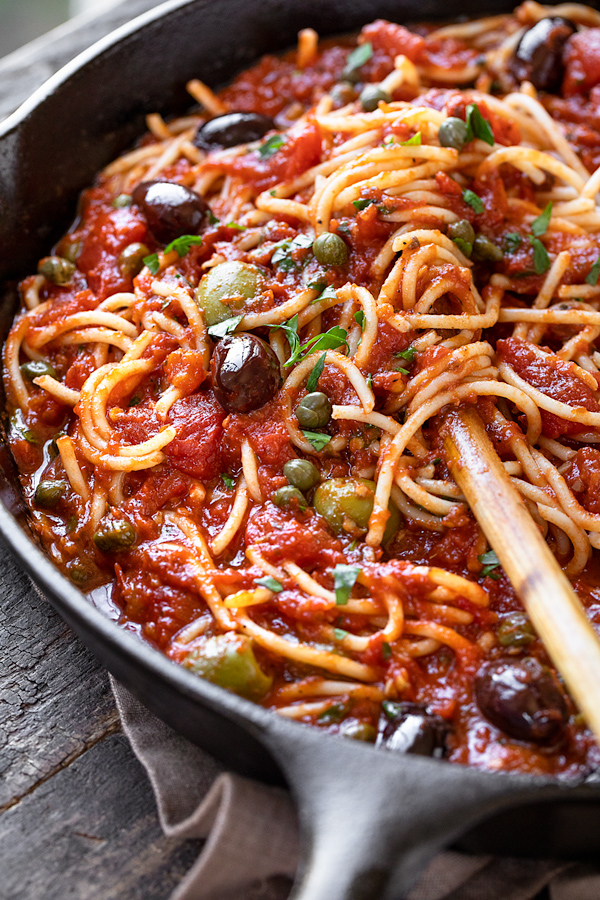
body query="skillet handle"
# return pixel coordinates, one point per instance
(372, 819)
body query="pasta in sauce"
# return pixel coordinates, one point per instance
(226, 385)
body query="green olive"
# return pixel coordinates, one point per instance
(229, 661)
(131, 259)
(342, 93)
(301, 474)
(461, 230)
(224, 290)
(35, 368)
(287, 496)
(78, 571)
(122, 201)
(349, 501)
(484, 249)
(49, 492)
(453, 133)
(371, 95)
(358, 731)
(516, 631)
(56, 269)
(115, 536)
(330, 249)
(314, 410)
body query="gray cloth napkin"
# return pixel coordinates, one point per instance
(251, 832)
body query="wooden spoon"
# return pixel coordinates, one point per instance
(551, 603)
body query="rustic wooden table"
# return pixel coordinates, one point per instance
(77, 814)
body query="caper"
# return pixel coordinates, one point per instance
(288, 496)
(371, 95)
(35, 368)
(453, 133)
(344, 502)
(301, 474)
(358, 731)
(122, 201)
(462, 231)
(70, 249)
(314, 410)
(115, 536)
(77, 571)
(330, 249)
(516, 630)
(229, 661)
(484, 249)
(226, 288)
(56, 269)
(131, 259)
(49, 492)
(342, 93)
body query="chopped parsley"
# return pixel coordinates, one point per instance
(358, 57)
(408, 354)
(360, 318)
(400, 369)
(594, 273)
(317, 439)
(228, 480)
(363, 203)
(236, 226)
(386, 651)
(344, 579)
(152, 263)
(212, 219)
(182, 244)
(270, 583)
(512, 241)
(221, 329)
(474, 200)
(477, 126)
(414, 141)
(313, 379)
(330, 340)
(282, 256)
(339, 634)
(541, 260)
(316, 286)
(329, 293)
(539, 226)
(490, 563)
(271, 146)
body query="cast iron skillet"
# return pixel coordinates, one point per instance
(370, 819)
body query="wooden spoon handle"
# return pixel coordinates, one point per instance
(551, 603)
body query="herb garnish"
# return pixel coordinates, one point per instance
(360, 318)
(594, 273)
(512, 241)
(271, 146)
(270, 583)
(474, 200)
(358, 57)
(227, 326)
(313, 379)
(228, 480)
(414, 141)
(541, 260)
(490, 564)
(539, 226)
(344, 579)
(477, 126)
(317, 439)
(408, 354)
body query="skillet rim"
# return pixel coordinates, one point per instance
(271, 730)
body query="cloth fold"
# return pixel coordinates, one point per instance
(252, 839)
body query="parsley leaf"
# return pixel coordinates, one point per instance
(329, 293)
(339, 634)
(474, 201)
(408, 354)
(183, 243)
(236, 226)
(271, 146)
(403, 371)
(363, 203)
(221, 329)
(270, 583)
(290, 329)
(317, 439)
(152, 262)
(414, 141)
(541, 260)
(282, 257)
(344, 579)
(358, 57)
(512, 241)
(229, 481)
(212, 219)
(386, 650)
(335, 337)
(360, 318)
(490, 564)
(539, 226)
(594, 273)
(313, 379)
(477, 126)
(316, 286)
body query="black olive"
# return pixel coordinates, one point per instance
(410, 728)
(170, 209)
(539, 54)
(245, 373)
(523, 699)
(232, 129)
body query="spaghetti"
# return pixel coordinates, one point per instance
(226, 384)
